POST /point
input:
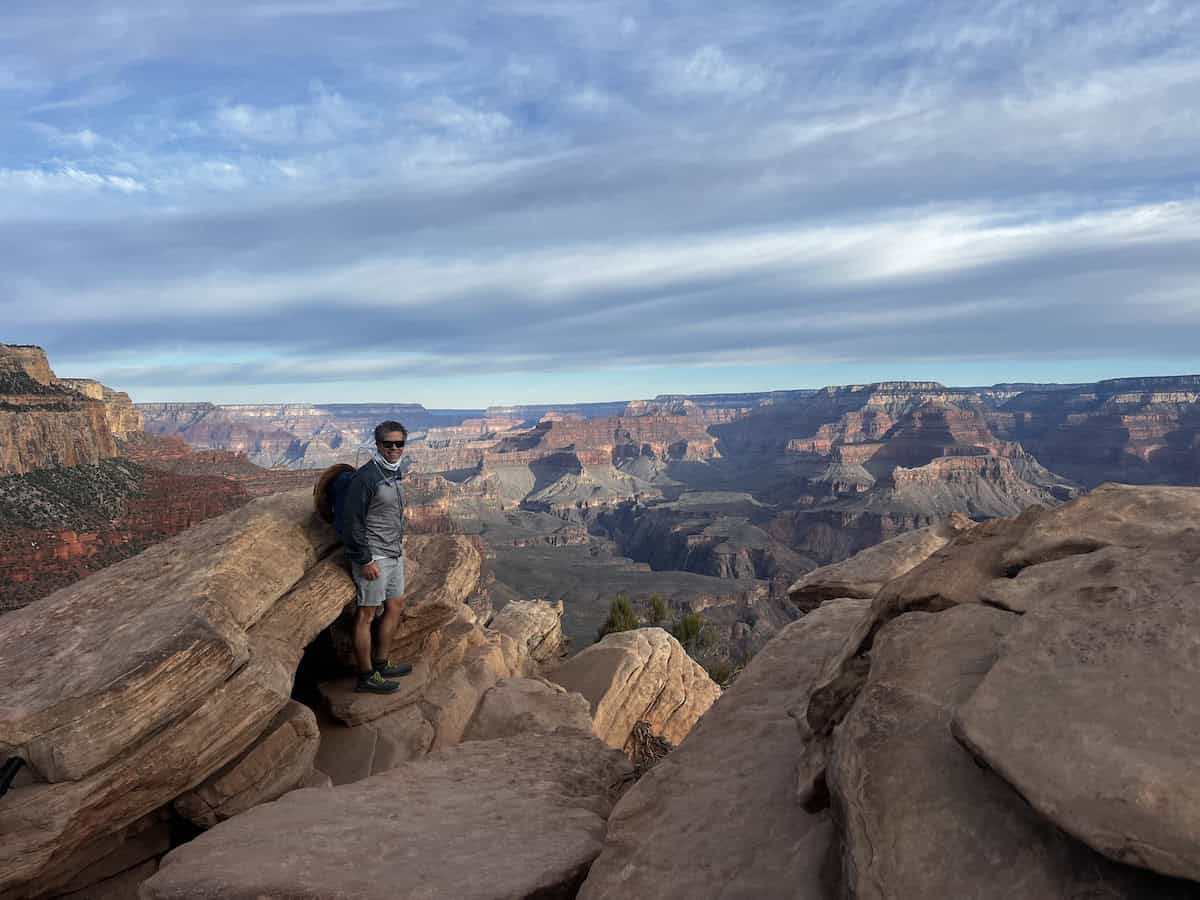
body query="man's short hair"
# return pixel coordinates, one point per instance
(384, 427)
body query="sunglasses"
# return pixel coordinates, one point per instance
(393, 445)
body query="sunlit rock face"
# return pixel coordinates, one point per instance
(44, 423)
(122, 417)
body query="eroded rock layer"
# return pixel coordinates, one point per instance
(45, 423)
(517, 817)
(643, 675)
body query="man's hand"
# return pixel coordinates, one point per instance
(370, 571)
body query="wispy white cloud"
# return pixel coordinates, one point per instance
(67, 180)
(325, 118)
(711, 70)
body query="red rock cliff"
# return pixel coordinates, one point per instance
(43, 423)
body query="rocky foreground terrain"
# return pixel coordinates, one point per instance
(984, 710)
(209, 675)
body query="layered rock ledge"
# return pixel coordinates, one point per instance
(517, 817)
(639, 675)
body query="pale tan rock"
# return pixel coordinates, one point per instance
(717, 817)
(520, 817)
(316, 779)
(862, 575)
(919, 817)
(1121, 515)
(534, 705)
(1091, 712)
(139, 644)
(536, 626)
(452, 700)
(279, 760)
(46, 824)
(107, 857)
(961, 572)
(353, 708)
(123, 886)
(640, 675)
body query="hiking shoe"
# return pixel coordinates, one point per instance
(375, 684)
(385, 668)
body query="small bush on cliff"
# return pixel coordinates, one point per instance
(620, 617)
(658, 609)
(720, 671)
(687, 629)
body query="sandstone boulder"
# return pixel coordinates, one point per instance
(536, 626)
(527, 705)
(1121, 515)
(279, 760)
(1091, 713)
(139, 644)
(919, 818)
(863, 574)
(136, 845)
(519, 817)
(717, 817)
(156, 737)
(640, 675)
(351, 753)
(960, 572)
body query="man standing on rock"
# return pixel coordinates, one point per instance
(372, 527)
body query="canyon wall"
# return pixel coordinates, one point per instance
(123, 419)
(45, 423)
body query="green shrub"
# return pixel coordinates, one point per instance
(658, 609)
(720, 671)
(688, 629)
(620, 617)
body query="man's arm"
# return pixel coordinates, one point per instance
(354, 521)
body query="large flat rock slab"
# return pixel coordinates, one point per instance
(1120, 515)
(862, 575)
(1091, 710)
(97, 667)
(527, 705)
(959, 573)
(357, 708)
(519, 817)
(640, 675)
(718, 816)
(919, 817)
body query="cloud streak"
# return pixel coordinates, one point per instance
(211, 196)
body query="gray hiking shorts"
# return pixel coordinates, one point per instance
(389, 584)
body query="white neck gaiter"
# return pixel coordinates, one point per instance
(391, 467)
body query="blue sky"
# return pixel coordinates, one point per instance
(470, 203)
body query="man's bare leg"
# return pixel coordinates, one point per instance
(362, 638)
(393, 610)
